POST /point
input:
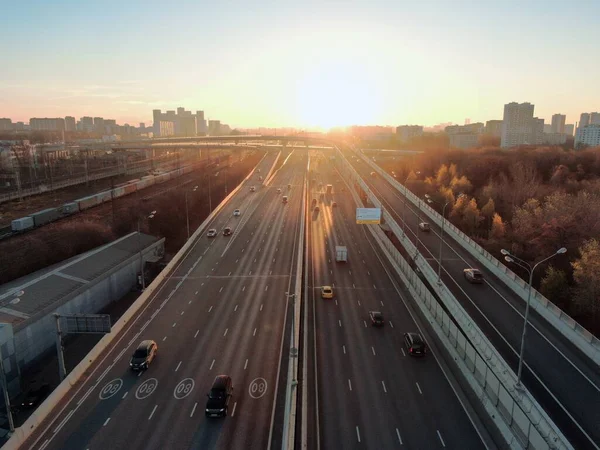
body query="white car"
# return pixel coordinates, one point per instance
(424, 226)
(211, 233)
(252, 189)
(278, 191)
(236, 212)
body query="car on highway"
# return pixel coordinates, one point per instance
(144, 354)
(424, 226)
(333, 204)
(278, 190)
(227, 231)
(473, 275)
(316, 209)
(252, 189)
(376, 318)
(219, 396)
(289, 187)
(372, 174)
(211, 233)
(36, 395)
(326, 292)
(415, 344)
(236, 212)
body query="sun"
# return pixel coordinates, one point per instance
(336, 94)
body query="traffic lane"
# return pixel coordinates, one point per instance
(455, 251)
(390, 343)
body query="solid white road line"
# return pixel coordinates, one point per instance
(106, 422)
(419, 388)
(399, 438)
(349, 384)
(357, 433)
(193, 409)
(152, 413)
(440, 436)
(212, 364)
(383, 384)
(177, 368)
(43, 446)
(60, 425)
(197, 331)
(233, 412)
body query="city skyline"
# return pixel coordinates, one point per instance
(308, 65)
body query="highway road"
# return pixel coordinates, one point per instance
(563, 380)
(222, 311)
(371, 394)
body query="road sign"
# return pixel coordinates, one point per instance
(86, 323)
(368, 215)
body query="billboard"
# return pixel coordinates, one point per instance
(368, 216)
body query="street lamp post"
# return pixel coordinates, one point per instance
(187, 214)
(150, 216)
(530, 270)
(431, 201)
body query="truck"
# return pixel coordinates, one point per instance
(329, 189)
(341, 253)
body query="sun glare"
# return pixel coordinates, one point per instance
(333, 95)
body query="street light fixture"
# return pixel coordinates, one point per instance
(149, 216)
(187, 214)
(508, 257)
(432, 201)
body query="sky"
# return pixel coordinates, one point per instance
(303, 63)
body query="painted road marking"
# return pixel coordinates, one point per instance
(106, 422)
(349, 384)
(257, 388)
(384, 389)
(235, 309)
(152, 413)
(60, 425)
(110, 389)
(344, 348)
(357, 433)
(399, 438)
(419, 388)
(226, 330)
(440, 436)
(210, 309)
(373, 349)
(212, 364)
(365, 322)
(246, 364)
(124, 395)
(193, 409)
(174, 323)
(233, 412)
(197, 331)
(178, 365)
(254, 334)
(146, 388)
(183, 388)
(391, 324)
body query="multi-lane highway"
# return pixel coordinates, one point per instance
(563, 380)
(222, 311)
(371, 394)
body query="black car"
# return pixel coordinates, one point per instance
(36, 395)
(144, 354)
(227, 231)
(218, 397)
(376, 318)
(414, 344)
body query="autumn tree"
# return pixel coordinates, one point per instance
(471, 216)
(458, 208)
(498, 230)
(586, 272)
(461, 185)
(488, 211)
(555, 286)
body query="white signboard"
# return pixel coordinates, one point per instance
(368, 215)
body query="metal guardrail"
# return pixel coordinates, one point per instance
(569, 327)
(530, 422)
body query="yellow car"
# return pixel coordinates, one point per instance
(326, 292)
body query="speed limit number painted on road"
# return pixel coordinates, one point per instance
(183, 389)
(257, 388)
(110, 389)
(146, 388)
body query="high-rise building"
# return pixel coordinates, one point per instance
(87, 124)
(47, 124)
(70, 124)
(405, 133)
(584, 120)
(588, 135)
(200, 123)
(465, 136)
(493, 128)
(547, 128)
(99, 124)
(537, 131)
(6, 125)
(518, 125)
(214, 127)
(595, 118)
(558, 123)
(569, 129)
(184, 122)
(110, 126)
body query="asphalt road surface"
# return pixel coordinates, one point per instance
(371, 394)
(563, 380)
(222, 311)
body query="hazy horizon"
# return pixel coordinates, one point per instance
(299, 65)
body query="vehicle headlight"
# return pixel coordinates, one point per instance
(222, 410)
